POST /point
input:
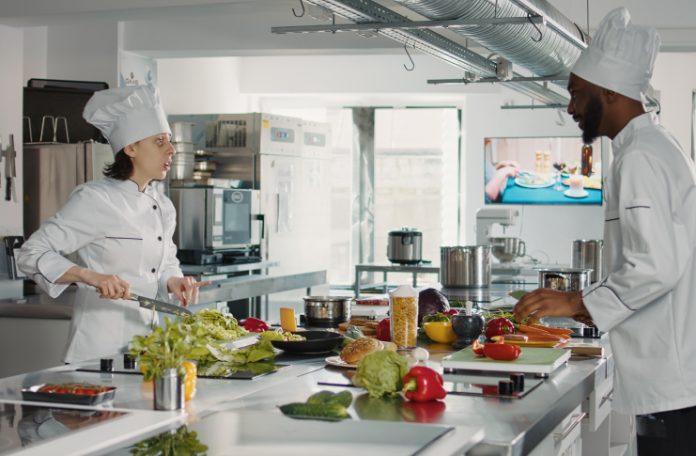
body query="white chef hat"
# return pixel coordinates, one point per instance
(621, 55)
(127, 115)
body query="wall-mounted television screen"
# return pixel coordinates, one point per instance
(542, 170)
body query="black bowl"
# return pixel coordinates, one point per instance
(317, 342)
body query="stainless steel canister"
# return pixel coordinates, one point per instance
(169, 391)
(465, 266)
(564, 279)
(588, 254)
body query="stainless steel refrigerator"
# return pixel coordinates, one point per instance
(287, 159)
(51, 173)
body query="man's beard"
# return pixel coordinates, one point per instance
(593, 117)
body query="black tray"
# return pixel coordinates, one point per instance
(32, 394)
(317, 342)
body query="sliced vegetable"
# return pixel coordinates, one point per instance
(477, 348)
(423, 384)
(501, 352)
(566, 332)
(527, 329)
(254, 324)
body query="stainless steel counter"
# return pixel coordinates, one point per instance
(513, 427)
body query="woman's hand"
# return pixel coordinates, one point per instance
(109, 286)
(185, 289)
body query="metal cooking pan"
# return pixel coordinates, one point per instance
(317, 342)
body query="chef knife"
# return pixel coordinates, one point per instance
(160, 306)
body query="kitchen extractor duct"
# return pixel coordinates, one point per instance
(540, 49)
(430, 42)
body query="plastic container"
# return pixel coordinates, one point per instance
(403, 311)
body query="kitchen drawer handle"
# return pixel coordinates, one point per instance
(560, 436)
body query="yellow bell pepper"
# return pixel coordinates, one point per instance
(189, 379)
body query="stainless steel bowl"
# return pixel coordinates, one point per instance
(506, 249)
(565, 279)
(327, 311)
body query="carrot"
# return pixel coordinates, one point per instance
(550, 329)
(540, 332)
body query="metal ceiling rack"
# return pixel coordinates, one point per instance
(370, 16)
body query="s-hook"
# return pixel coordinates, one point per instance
(302, 11)
(413, 64)
(541, 35)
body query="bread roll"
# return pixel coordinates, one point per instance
(358, 349)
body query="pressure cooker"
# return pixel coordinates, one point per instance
(405, 246)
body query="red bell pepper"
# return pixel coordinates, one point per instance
(383, 331)
(423, 384)
(501, 352)
(499, 327)
(254, 324)
(423, 412)
(451, 312)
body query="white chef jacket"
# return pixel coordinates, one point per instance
(114, 229)
(647, 300)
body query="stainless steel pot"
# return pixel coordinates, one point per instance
(465, 266)
(565, 279)
(182, 132)
(326, 311)
(507, 248)
(588, 254)
(405, 246)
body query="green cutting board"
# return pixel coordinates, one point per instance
(532, 360)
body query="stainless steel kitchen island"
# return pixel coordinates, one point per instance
(551, 414)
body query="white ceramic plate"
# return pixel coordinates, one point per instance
(338, 362)
(575, 194)
(534, 181)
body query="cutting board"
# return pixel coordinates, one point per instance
(531, 360)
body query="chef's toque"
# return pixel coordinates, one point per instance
(127, 115)
(621, 55)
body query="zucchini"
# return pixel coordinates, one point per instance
(304, 410)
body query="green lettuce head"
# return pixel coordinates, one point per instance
(381, 373)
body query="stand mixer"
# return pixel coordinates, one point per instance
(505, 249)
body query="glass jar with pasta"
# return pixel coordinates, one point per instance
(403, 311)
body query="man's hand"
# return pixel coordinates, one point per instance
(109, 286)
(185, 289)
(545, 302)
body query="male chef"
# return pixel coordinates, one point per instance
(647, 301)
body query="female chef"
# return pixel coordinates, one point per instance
(118, 228)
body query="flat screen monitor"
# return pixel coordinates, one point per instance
(542, 170)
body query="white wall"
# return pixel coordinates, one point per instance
(35, 49)
(86, 51)
(675, 77)
(11, 123)
(200, 86)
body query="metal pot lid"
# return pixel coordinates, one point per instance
(327, 298)
(566, 270)
(406, 231)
